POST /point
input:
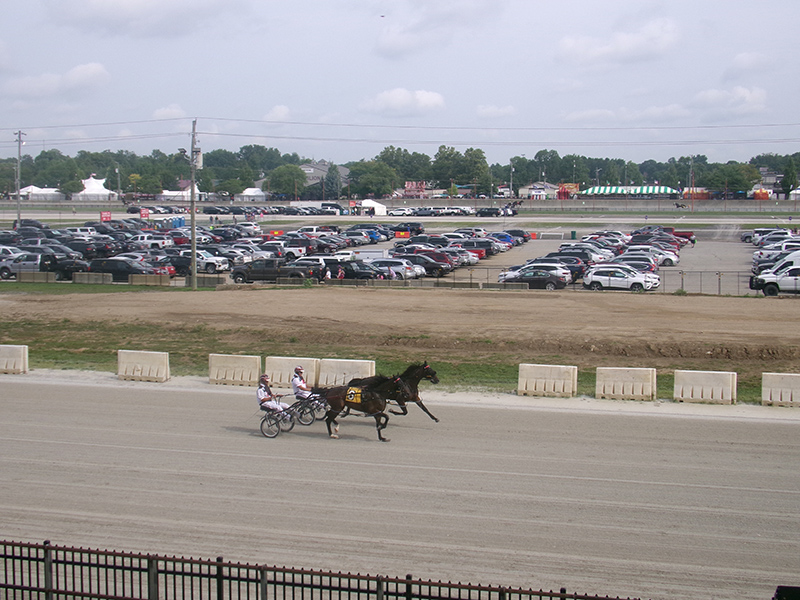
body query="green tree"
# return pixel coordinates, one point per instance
(71, 187)
(789, 180)
(333, 183)
(372, 178)
(287, 179)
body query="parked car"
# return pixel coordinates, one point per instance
(619, 277)
(402, 268)
(120, 268)
(538, 278)
(489, 212)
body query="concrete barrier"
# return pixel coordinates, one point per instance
(137, 365)
(206, 281)
(497, 285)
(233, 369)
(159, 280)
(780, 389)
(36, 277)
(95, 278)
(13, 359)
(281, 369)
(717, 387)
(625, 384)
(340, 371)
(547, 380)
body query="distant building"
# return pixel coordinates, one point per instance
(317, 171)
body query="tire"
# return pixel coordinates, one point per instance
(238, 278)
(637, 287)
(59, 276)
(771, 289)
(5, 274)
(596, 286)
(211, 268)
(306, 416)
(286, 424)
(668, 262)
(270, 427)
(550, 286)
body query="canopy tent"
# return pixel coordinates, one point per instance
(95, 191)
(180, 195)
(606, 190)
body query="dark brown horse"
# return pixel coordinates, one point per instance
(368, 397)
(412, 377)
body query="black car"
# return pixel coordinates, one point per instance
(120, 268)
(412, 227)
(489, 212)
(432, 267)
(539, 279)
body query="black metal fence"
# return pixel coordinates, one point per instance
(46, 572)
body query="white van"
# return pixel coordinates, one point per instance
(82, 230)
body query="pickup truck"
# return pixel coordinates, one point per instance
(772, 282)
(271, 269)
(41, 262)
(687, 235)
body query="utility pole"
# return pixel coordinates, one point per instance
(193, 219)
(19, 135)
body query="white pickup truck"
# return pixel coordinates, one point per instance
(153, 241)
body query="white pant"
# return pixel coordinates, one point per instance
(274, 405)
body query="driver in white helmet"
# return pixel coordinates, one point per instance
(300, 388)
(266, 399)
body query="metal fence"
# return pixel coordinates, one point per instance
(43, 571)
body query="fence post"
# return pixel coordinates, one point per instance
(408, 587)
(220, 581)
(719, 284)
(262, 580)
(152, 578)
(379, 588)
(48, 571)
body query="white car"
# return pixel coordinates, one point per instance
(665, 257)
(554, 267)
(619, 278)
(402, 268)
(401, 212)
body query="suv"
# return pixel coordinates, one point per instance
(780, 280)
(621, 278)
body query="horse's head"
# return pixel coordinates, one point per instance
(428, 373)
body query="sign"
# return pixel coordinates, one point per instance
(402, 234)
(105, 215)
(144, 213)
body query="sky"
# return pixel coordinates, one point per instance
(339, 80)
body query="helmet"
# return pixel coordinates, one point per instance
(264, 377)
(298, 369)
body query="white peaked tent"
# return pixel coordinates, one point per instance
(380, 209)
(95, 191)
(35, 193)
(252, 194)
(180, 195)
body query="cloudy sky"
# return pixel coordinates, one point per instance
(341, 79)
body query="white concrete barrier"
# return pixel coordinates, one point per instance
(233, 369)
(718, 387)
(780, 389)
(281, 369)
(547, 380)
(625, 384)
(138, 365)
(13, 359)
(338, 372)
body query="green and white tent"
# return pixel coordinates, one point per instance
(652, 190)
(606, 190)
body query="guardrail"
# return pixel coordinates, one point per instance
(48, 572)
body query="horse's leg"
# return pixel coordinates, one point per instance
(381, 421)
(427, 412)
(403, 409)
(330, 418)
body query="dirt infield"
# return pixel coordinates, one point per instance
(748, 335)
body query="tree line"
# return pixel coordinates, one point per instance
(228, 172)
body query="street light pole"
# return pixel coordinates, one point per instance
(193, 218)
(17, 176)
